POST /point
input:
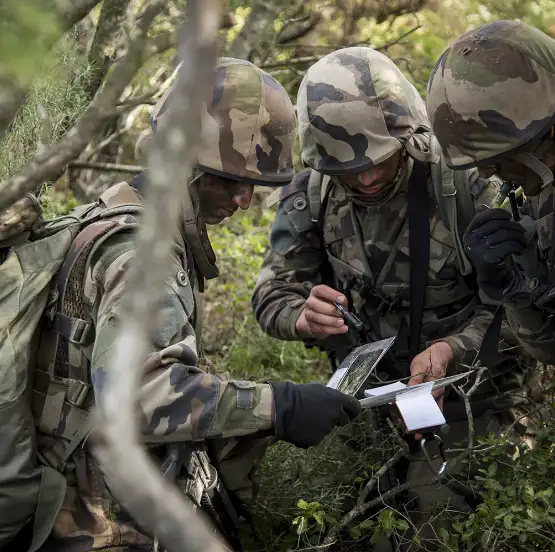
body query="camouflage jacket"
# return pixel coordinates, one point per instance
(180, 399)
(375, 272)
(535, 328)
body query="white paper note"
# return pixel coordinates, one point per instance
(419, 408)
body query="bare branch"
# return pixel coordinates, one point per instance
(311, 59)
(110, 167)
(104, 44)
(381, 472)
(156, 504)
(72, 11)
(11, 97)
(50, 162)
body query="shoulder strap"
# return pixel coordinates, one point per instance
(52, 490)
(419, 250)
(452, 192)
(318, 187)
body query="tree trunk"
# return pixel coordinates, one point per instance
(252, 40)
(103, 49)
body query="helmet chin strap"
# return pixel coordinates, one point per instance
(196, 235)
(538, 175)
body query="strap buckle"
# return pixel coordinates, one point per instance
(434, 437)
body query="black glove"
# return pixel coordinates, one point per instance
(306, 413)
(490, 240)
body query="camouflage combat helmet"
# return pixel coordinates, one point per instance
(493, 92)
(248, 132)
(356, 109)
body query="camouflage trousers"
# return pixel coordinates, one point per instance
(238, 463)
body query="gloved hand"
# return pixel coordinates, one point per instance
(490, 240)
(306, 413)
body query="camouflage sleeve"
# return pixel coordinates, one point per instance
(291, 268)
(466, 343)
(178, 401)
(534, 328)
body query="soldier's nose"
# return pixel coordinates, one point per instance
(368, 177)
(243, 198)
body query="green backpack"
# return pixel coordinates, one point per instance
(32, 252)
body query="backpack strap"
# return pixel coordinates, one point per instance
(64, 393)
(318, 187)
(419, 250)
(52, 490)
(456, 206)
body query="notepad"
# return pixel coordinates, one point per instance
(418, 407)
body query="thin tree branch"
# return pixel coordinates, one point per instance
(157, 505)
(109, 167)
(382, 471)
(49, 163)
(105, 41)
(310, 59)
(72, 11)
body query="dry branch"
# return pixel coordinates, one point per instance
(156, 504)
(50, 162)
(72, 11)
(110, 167)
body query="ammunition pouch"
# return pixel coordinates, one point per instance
(199, 480)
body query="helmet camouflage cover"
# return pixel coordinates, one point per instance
(492, 90)
(248, 130)
(356, 109)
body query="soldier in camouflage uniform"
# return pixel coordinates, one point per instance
(363, 124)
(491, 102)
(248, 136)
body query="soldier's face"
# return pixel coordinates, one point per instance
(372, 180)
(220, 197)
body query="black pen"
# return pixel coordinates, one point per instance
(351, 319)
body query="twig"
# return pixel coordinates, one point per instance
(310, 59)
(106, 142)
(468, 408)
(110, 167)
(50, 162)
(387, 466)
(157, 505)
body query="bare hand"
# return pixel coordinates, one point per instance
(430, 365)
(320, 318)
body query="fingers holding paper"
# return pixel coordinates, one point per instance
(431, 364)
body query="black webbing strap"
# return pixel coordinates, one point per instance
(419, 249)
(488, 354)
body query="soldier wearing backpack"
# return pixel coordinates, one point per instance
(62, 283)
(376, 226)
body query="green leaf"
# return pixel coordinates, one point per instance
(508, 521)
(302, 504)
(366, 524)
(301, 528)
(402, 525)
(318, 517)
